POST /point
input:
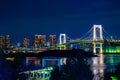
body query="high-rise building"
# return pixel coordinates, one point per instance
(4, 42)
(1, 41)
(25, 42)
(40, 41)
(52, 40)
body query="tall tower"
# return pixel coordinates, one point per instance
(97, 35)
(97, 32)
(40, 41)
(4, 42)
(25, 42)
(52, 40)
(1, 41)
(62, 38)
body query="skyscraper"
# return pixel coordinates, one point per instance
(25, 42)
(52, 40)
(4, 42)
(40, 41)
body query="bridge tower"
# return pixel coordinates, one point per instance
(97, 36)
(62, 40)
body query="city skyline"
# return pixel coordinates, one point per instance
(26, 18)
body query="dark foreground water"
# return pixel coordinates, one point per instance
(97, 67)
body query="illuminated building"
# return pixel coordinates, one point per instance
(4, 41)
(39, 41)
(25, 42)
(52, 40)
(13, 45)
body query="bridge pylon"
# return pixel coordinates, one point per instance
(97, 45)
(97, 36)
(62, 40)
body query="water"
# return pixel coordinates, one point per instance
(103, 64)
(98, 65)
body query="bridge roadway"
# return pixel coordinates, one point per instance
(90, 41)
(64, 46)
(87, 41)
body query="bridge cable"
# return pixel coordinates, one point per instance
(86, 33)
(106, 33)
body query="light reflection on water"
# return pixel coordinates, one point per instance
(102, 64)
(32, 66)
(111, 61)
(44, 62)
(98, 65)
(32, 61)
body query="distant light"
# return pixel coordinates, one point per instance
(18, 44)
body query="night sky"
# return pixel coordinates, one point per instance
(25, 18)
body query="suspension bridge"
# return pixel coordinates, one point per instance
(95, 40)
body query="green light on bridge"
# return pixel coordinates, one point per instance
(118, 49)
(110, 49)
(114, 78)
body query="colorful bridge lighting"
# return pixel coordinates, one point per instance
(112, 49)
